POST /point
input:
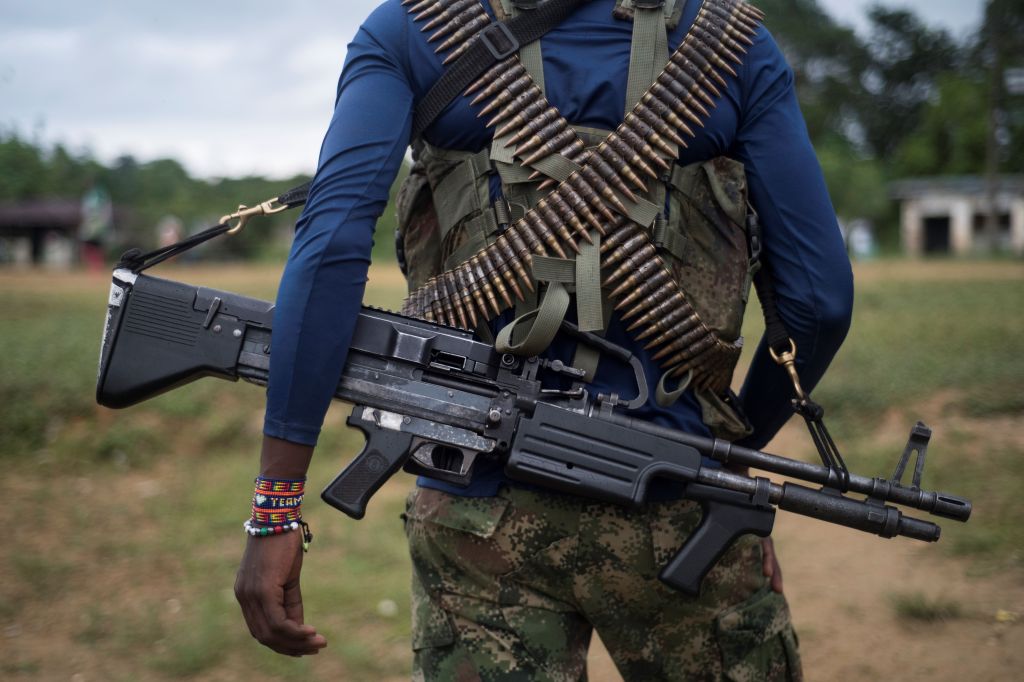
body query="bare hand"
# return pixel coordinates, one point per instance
(267, 588)
(770, 564)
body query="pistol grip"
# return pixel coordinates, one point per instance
(726, 516)
(383, 454)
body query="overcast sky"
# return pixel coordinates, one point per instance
(228, 87)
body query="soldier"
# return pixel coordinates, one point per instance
(509, 581)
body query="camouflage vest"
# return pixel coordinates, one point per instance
(445, 217)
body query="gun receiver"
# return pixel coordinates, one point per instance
(432, 399)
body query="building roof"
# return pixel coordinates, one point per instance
(963, 185)
(51, 214)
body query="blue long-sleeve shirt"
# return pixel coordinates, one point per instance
(388, 69)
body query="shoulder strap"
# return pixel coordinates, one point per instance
(497, 41)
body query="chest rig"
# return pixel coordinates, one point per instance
(608, 215)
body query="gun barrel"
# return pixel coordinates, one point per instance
(865, 516)
(938, 503)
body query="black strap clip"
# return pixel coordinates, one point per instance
(648, 4)
(499, 41)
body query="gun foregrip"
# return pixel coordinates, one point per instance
(383, 455)
(726, 516)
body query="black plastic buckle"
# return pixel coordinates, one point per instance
(648, 4)
(487, 37)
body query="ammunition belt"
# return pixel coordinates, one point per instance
(597, 193)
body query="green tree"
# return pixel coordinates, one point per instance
(951, 136)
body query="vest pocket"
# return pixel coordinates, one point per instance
(706, 241)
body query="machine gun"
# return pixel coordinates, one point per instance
(432, 400)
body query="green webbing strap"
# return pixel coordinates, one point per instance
(669, 236)
(532, 60)
(648, 51)
(590, 314)
(547, 318)
(556, 166)
(665, 397)
(499, 152)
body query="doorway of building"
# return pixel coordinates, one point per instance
(936, 235)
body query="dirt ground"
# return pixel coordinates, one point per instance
(840, 584)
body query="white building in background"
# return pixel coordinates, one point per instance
(947, 215)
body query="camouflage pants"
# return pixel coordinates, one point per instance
(511, 588)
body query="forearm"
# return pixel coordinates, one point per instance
(282, 459)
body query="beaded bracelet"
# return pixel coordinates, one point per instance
(277, 508)
(276, 501)
(262, 531)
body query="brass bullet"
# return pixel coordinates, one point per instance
(629, 141)
(604, 189)
(663, 110)
(550, 146)
(579, 206)
(537, 124)
(700, 345)
(622, 252)
(531, 112)
(422, 5)
(442, 12)
(696, 71)
(503, 80)
(690, 344)
(524, 232)
(669, 329)
(660, 312)
(716, 44)
(733, 38)
(456, 23)
(455, 298)
(617, 236)
(692, 45)
(464, 33)
(645, 132)
(492, 74)
(523, 256)
(544, 137)
(650, 276)
(682, 93)
(647, 302)
(613, 168)
(541, 228)
(483, 278)
(517, 104)
(646, 115)
(492, 271)
(633, 261)
(519, 86)
(553, 219)
(475, 302)
(465, 294)
(445, 301)
(659, 93)
(686, 80)
(568, 216)
(505, 267)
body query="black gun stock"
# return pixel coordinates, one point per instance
(431, 399)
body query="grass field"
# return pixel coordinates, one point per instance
(125, 527)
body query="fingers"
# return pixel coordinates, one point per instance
(283, 634)
(770, 565)
(267, 589)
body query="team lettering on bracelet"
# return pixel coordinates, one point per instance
(277, 508)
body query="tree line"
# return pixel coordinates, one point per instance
(902, 99)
